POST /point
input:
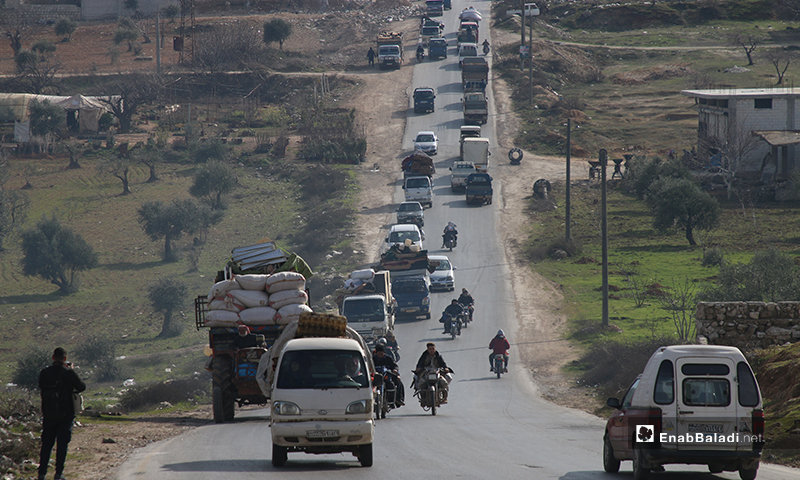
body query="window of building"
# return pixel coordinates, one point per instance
(763, 103)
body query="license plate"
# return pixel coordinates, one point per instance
(409, 310)
(322, 433)
(706, 428)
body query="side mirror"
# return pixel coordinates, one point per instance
(451, 169)
(613, 402)
(386, 240)
(455, 268)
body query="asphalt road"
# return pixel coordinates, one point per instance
(490, 427)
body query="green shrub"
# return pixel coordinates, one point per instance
(713, 257)
(100, 353)
(193, 389)
(29, 364)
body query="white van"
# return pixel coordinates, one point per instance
(692, 404)
(419, 189)
(322, 399)
(401, 232)
(467, 50)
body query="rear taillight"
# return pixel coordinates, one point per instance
(758, 423)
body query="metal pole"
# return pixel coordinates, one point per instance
(604, 232)
(522, 34)
(567, 234)
(158, 43)
(530, 62)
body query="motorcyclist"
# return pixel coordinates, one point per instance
(420, 51)
(391, 342)
(449, 230)
(380, 359)
(486, 46)
(499, 346)
(466, 300)
(453, 310)
(431, 358)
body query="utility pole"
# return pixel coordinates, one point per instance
(567, 234)
(530, 62)
(158, 42)
(604, 232)
(522, 33)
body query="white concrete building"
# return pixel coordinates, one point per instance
(760, 126)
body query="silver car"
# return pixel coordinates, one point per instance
(444, 277)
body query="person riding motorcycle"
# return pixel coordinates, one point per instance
(449, 231)
(466, 300)
(420, 52)
(391, 342)
(380, 359)
(453, 310)
(486, 46)
(431, 358)
(499, 346)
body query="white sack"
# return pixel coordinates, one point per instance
(222, 318)
(251, 298)
(258, 316)
(223, 304)
(287, 297)
(252, 281)
(281, 281)
(366, 274)
(220, 289)
(291, 312)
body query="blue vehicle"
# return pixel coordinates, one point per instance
(412, 296)
(437, 48)
(448, 4)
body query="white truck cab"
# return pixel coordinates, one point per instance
(322, 399)
(419, 189)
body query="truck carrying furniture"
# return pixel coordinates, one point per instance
(366, 301)
(410, 275)
(476, 108)
(390, 49)
(417, 164)
(476, 151)
(319, 378)
(479, 189)
(474, 74)
(260, 291)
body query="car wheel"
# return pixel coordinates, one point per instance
(715, 468)
(365, 455)
(610, 463)
(640, 472)
(749, 474)
(279, 455)
(427, 316)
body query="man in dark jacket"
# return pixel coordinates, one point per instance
(380, 359)
(56, 384)
(452, 310)
(431, 358)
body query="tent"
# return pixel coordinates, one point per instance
(16, 106)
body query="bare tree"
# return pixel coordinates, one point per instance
(734, 149)
(35, 75)
(128, 93)
(748, 42)
(680, 302)
(119, 166)
(780, 59)
(227, 47)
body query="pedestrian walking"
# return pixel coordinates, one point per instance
(57, 383)
(371, 57)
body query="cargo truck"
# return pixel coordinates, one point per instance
(368, 303)
(390, 49)
(476, 108)
(476, 151)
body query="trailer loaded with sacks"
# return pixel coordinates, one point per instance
(261, 290)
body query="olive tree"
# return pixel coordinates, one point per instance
(65, 28)
(57, 254)
(277, 30)
(171, 220)
(166, 296)
(770, 276)
(213, 180)
(680, 203)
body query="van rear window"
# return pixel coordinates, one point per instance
(664, 393)
(706, 392)
(705, 369)
(748, 389)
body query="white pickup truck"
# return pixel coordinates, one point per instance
(460, 171)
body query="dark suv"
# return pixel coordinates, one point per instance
(423, 99)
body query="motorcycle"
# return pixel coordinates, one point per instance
(420, 56)
(499, 365)
(385, 392)
(454, 324)
(450, 242)
(431, 397)
(468, 310)
(485, 49)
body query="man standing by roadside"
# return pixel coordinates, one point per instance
(56, 384)
(371, 57)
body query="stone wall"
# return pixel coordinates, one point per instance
(41, 13)
(748, 325)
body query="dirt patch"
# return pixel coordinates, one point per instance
(647, 75)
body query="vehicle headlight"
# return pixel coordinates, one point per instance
(450, 278)
(285, 408)
(426, 301)
(361, 406)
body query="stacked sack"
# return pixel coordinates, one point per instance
(257, 300)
